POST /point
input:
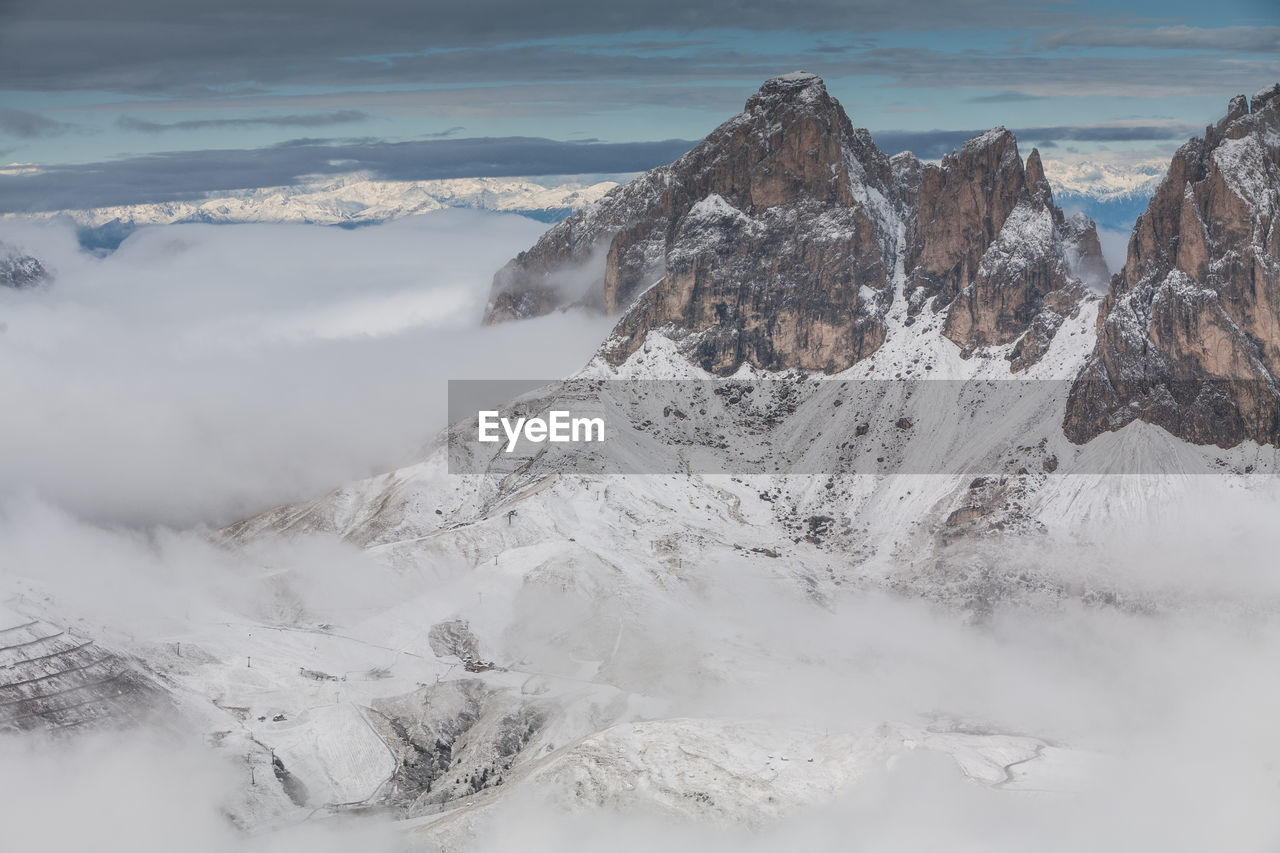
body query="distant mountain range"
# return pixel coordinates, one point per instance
(348, 201)
(1111, 194)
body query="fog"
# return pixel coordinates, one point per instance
(1115, 248)
(203, 373)
(1169, 714)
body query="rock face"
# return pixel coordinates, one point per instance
(1008, 261)
(1189, 334)
(18, 270)
(784, 251)
(789, 157)
(778, 240)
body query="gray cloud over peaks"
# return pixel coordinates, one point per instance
(149, 45)
(154, 46)
(29, 125)
(1260, 39)
(174, 175)
(287, 120)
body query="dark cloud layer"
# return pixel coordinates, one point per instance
(287, 120)
(29, 125)
(1260, 39)
(1129, 75)
(141, 45)
(241, 46)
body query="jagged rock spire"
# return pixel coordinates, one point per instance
(773, 243)
(792, 142)
(1189, 336)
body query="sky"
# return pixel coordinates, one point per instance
(146, 100)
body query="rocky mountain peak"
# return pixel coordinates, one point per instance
(1189, 335)
(792, 144)
(992, 249)
(19, 270)
(1037, 184)
(796, 86)
(1263, 97)
(961, 206)
(774, 242)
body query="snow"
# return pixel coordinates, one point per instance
(1103, 176)
(985, 139)
(714, 207)
(1247, 166)
(336, 750)
(347, 199)
(563, 596)
(797, 77)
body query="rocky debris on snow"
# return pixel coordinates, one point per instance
(452, 740)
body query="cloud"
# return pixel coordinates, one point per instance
(175, 175)
(1252, 39)
(1123, 73)
(227, 368)
(201, 373)
(932, 144)
(451, 131)
(295, 120)
(151, 46)
(1115, 246)
(143, 791)
(1004, 98)
(29, 125)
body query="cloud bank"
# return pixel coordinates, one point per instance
(201, 373)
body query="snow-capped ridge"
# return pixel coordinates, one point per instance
(352, 199)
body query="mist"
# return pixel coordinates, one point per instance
(203, 373)
(1115, 247)
(1162, 719)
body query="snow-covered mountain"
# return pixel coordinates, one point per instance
(1111, 192)
(349, 200)
(990, 502)
(705, 640)
(19, 270)
(1100, 179)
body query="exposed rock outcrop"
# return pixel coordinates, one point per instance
(775, 243)
(793, 147)
(784, 258)
(1189, 334)
(991, 244)
(19, 270)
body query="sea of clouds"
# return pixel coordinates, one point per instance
(203, 373)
